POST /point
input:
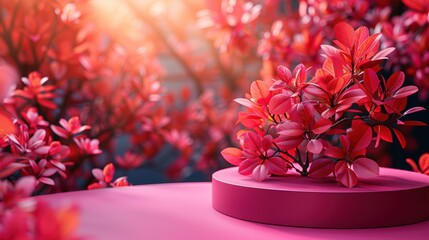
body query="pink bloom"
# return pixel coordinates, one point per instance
(130, 160)
(69, 128)
(179, 139)
(105, 177)
(33, 119)
(88, 146)
(256, 157)
(35, 89)
(42, 170)
(24, 144)
(55, 149)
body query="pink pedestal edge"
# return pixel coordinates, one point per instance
(394, 198)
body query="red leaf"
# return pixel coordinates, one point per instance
(424, 163)
(49, 172)
(266, 142)
(98, 174)
(260, 173)
(279, 104)
(360, 137)
(316, 90)
(348, 179)
(345, 34)
(414, 123)
(321, 168)
(349, 97)
(249, 120)
(369, 45)
(277, 166)
(314, 146)
(383, 133)
(291, 129)
(336, 85)
(287, 144)
(418, 5)
(330, 50)
(395, 81)
(284, 73)
(340, 168)
(322, 125)
(232, 155)
(259, 91)
(370, 80)
(362, 33)
(252, 140)
(245, 102)
(47, 181)
(108, 172)
(300, 74)
(406, 91)
(412, 164)
(383, 53)
(413, 110)
(334, 152)
(11, 168)
(246, 167)
(95, 186)
(365, 168)
(400, 137)
(59, 131)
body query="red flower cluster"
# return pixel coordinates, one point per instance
(324, 125)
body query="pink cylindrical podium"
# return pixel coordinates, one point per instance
(394, 198)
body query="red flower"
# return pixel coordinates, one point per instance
(105, 178)
(256, 157)
(42, 170)
(88, 146)
(24, 144)
(33, 120)
(35, 89)
(130, 160)
(69, 128)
